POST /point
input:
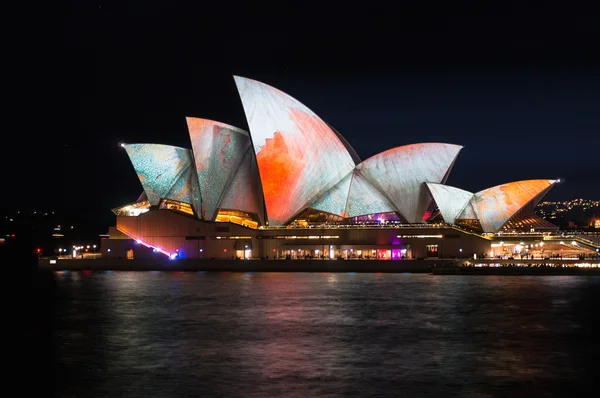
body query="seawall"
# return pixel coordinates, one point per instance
(413, 266)
(151, 264)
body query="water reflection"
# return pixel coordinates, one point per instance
(143, 334)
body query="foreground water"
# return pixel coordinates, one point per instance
(162, 334)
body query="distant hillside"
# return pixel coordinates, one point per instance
(580, 213)
(47, 230)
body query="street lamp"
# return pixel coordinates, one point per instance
(94, 249)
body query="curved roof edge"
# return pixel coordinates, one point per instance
(347, 145)
(153, 144)
(445, 144)
(217, 123)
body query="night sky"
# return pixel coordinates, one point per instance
(521, 94)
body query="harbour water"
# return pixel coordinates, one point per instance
(181, 334)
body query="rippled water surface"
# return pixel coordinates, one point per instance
(162, 334)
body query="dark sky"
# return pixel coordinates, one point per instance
(521, 93)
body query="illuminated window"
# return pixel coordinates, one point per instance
(420, 236)
(384, 254)
(231, 237)
(249, 220)
(132, 210)
(177, 206)
(432, 250)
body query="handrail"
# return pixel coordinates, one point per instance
(466, 231)
(588, 242)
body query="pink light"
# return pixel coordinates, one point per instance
(158, 249)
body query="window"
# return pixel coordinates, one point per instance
(432, 250)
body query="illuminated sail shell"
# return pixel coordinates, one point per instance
(493, 207)
(364, 198)
(496, 205)
(450, 201)
(299, 157)
(244, 191)
(334, 201)
(400, 174)
(226, 170)
(165, 172)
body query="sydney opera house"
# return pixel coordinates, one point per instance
(293, 187)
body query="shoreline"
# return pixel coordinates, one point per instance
(429, 266)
